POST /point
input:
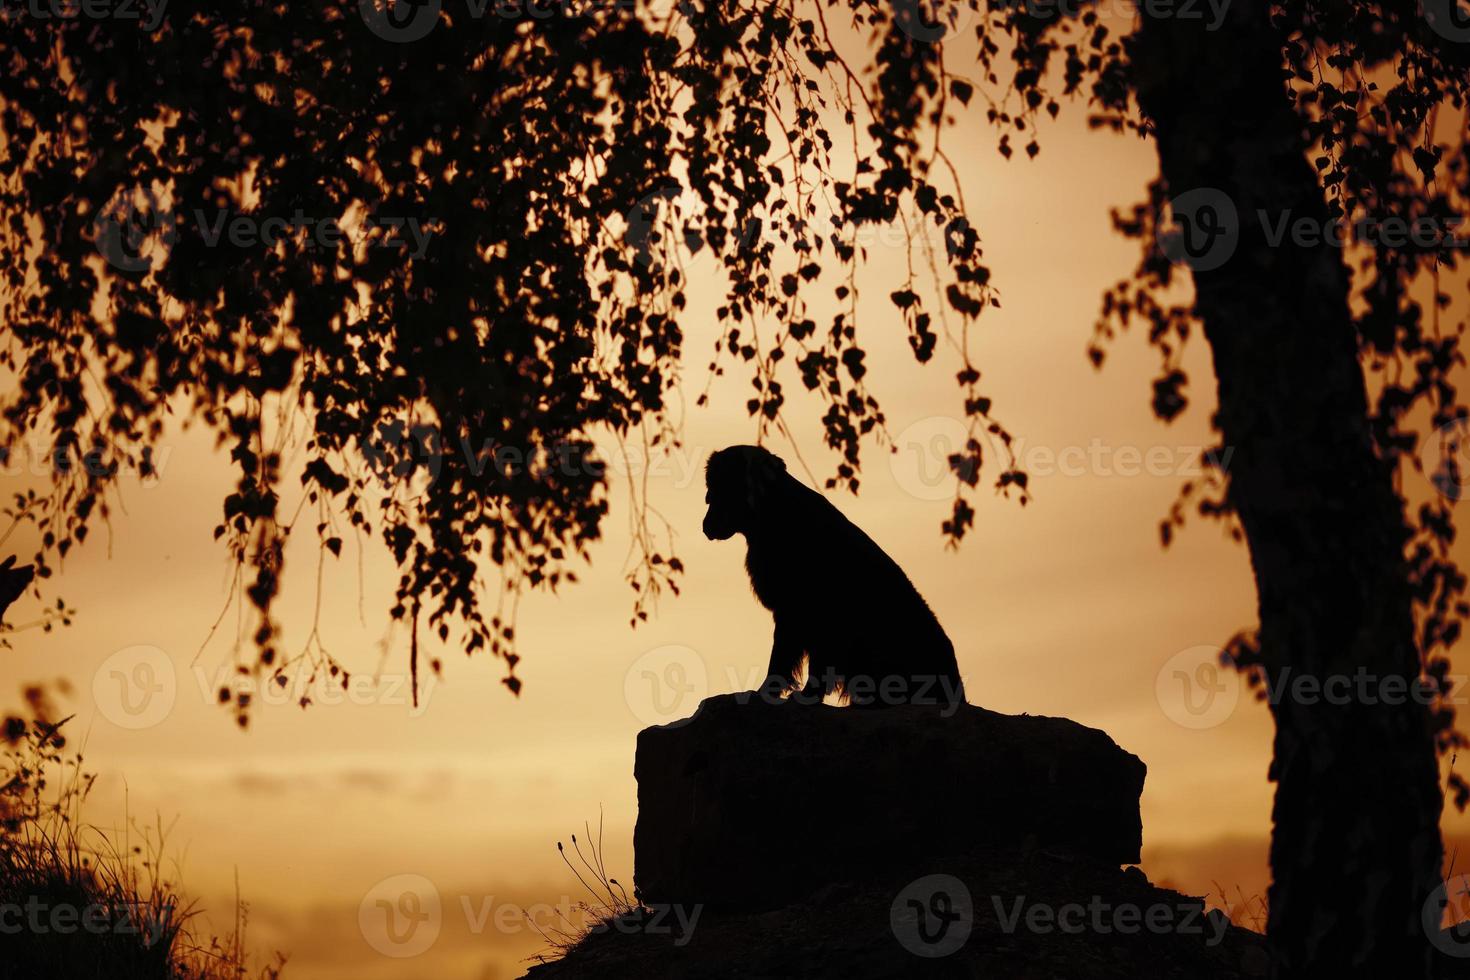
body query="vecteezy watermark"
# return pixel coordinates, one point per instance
(305, 684)
(246, 230)
(664, 221)
(655, 920)
(405, 21)
(658, 214)
(136, 687)
(135, 232)
(403, 915)
(921, 465)
(1202, 229)
(40, 917)
(642, 233)
(400, 21)
(1211, 12)
(1196, 688)
(57, 460)
(547, 9)
(933, 21)
(921, 453)
(894, 690)
(1445, 456)
(932, 916)
(1450, 19)
(1102, 917)
(1446, 917)
(482, 912)
(1423, 232)
(666, 684)
(147, 13)
(398, 450)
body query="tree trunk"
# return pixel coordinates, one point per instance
(1355, 852)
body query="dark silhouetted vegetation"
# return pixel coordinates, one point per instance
(446, 397)
(81, 901)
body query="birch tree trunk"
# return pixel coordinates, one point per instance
(1355, 851)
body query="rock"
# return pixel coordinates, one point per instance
(754, 805)
(797, 841)
(856, 934)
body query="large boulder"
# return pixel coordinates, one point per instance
(753, 804)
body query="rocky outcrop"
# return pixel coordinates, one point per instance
(1042, 916)
(753, 805)
(781, 840)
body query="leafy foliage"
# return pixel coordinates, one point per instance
(565, 164)
(130, 920)
(1381, 95)
(446, 399)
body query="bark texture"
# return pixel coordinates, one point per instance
(1356, 851)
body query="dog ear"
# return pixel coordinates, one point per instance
(762, 472)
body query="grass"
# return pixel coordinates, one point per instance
(78, 901)
(607, 902)
(1248, 913)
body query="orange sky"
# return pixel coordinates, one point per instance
(1067, 607)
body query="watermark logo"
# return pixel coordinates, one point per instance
(1450, 19)
(304, 684)
(135, 687)
(71, 455)
(932, 916)
(659, 214)
(920, 461)
(148, 13)
(666, 684)
(941, 691)
(1452, 896)
(1195, 689)
(1210, 12)
(933, 21)
(1445, 456)
(134, 232)
(1202, 230)
(401, 915)
(405, 21)
(643, 218)
(1104, 918)
(400, 21)
(400, 451)
(149, 922)
(245, 230)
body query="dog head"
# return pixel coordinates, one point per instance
(737, 480)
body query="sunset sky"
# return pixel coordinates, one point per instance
(1067, 607)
